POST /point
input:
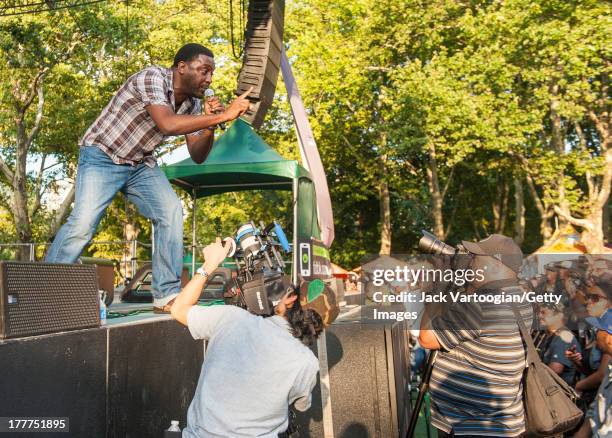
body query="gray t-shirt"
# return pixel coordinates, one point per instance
(253, 369)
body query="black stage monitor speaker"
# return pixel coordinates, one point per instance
(37, 298)
(262, 55)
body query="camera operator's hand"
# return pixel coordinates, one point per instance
(239, 106)
(214, 254)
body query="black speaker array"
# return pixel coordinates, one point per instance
(262, 55)
(37, 298)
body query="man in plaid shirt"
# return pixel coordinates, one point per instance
(116, 154)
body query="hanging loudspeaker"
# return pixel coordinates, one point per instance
(262, 55)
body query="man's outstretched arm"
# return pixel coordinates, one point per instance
(170, 123)
(214, 254)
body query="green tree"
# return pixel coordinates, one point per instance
(42, 60)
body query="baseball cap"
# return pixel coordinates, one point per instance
(500, 247)
(564, 264)
(551, 267)
(318, 296)
(604, 322)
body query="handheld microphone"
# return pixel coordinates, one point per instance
(208, 94)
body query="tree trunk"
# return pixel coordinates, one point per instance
(385, 219)
(592, 236)
(62, 212)
(500, 206)
(519, 208)
(556, 144)
(129, 253)
(606, 222)
(436, 194)
(18, 176)
(545, 210)
(385, 206)
(21, 216)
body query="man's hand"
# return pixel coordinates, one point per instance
(214, 254)
(213, 105)
(239, 106)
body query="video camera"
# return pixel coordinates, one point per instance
(261, 280)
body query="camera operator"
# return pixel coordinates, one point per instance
(475, 384)
(255, 367)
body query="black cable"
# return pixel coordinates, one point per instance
(231, 26)
(127, 37)
(49, 6)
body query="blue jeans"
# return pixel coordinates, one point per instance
(98, 181)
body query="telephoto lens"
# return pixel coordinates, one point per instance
(430, 244)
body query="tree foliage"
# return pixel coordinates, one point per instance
(463, 117)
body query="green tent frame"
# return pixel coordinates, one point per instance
(240, 160)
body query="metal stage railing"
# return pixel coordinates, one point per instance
(128, 255)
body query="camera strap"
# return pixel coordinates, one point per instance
(293, 430)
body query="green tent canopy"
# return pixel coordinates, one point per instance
(241, 160)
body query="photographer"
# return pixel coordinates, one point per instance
(475, 384)
(255, 367)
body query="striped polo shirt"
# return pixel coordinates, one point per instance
(476, 385)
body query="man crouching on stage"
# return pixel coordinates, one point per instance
(255, 367)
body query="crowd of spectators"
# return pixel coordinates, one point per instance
(565, 334)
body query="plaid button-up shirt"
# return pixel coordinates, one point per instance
(124, 129)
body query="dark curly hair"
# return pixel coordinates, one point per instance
(306, 324)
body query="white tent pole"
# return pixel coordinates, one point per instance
(294, 269)
(193, 233)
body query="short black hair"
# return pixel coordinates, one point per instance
(190, 51)
(306, 324)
